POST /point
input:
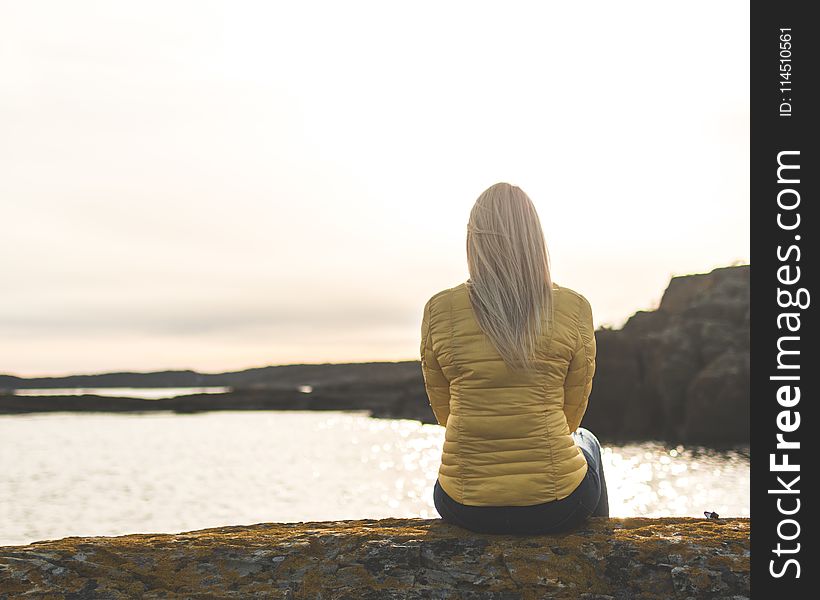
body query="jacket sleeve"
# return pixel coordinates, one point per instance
(435, 383)
(578, 383)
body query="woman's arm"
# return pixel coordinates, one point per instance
(436, 384)
(578, 384)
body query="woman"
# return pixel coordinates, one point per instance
(508, 359)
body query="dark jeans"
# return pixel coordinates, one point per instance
(588, 499)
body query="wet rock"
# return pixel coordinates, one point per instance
(609, 559)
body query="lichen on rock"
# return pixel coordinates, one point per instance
(391, 558)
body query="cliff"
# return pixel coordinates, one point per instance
(394, 558)
(680, 372)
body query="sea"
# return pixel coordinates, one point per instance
(103, 474)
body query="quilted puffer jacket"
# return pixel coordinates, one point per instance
(507, 440)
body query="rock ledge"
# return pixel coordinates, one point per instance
(391, 558)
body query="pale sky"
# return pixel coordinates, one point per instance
(221, 185)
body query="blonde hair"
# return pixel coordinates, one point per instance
(509, 287)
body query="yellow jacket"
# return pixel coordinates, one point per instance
(507, 440)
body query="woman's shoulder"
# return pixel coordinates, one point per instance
(571, 303)
(450, 291)
(449, 298)
(568, 294)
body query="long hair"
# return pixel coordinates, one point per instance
(509, 287)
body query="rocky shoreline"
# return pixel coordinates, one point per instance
(678, 373)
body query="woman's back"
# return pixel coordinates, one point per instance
(507, 440)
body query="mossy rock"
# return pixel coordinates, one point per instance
(391, 558)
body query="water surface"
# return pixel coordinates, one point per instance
(110, 474)
(124, 392)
